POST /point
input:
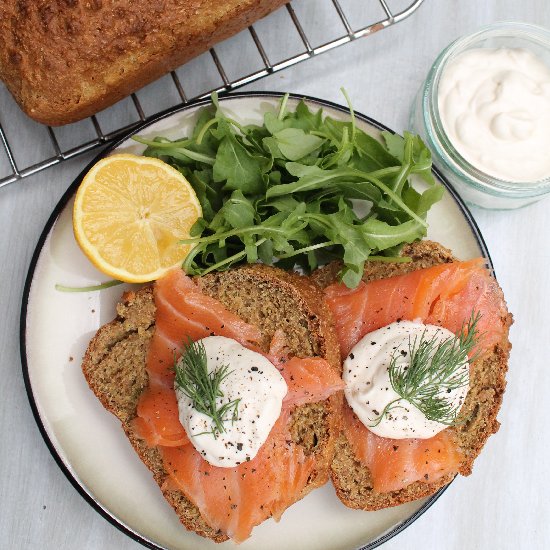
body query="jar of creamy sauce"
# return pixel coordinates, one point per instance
(484, 111)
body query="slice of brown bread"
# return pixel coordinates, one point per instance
(269, 298)
(352, 480)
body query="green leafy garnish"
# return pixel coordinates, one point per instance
(435, 369)
(299, 190)
(93, 288)
(203, 387)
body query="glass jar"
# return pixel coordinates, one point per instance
(477, 187)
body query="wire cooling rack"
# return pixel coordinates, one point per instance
(310, 27)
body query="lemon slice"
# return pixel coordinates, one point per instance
(130, 212)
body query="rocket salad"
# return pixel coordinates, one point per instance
(290, 191)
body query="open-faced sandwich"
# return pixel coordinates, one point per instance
(425, 351)
(228, 387)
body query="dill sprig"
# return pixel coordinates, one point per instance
(203, 387)
(434, 371)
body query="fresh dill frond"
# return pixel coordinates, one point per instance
(434, 370)
(203, 387)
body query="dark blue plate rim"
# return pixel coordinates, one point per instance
(59, 208)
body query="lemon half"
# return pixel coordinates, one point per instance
(130, 212)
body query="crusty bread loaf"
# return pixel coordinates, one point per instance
(269, 298)
(351, 479)
(65, 60)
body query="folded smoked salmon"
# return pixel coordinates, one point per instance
(369, 471)
(129, 365)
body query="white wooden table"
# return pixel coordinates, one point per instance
(505, 503)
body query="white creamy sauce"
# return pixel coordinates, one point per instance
(260, 387)
(368, 387)
(495, 108)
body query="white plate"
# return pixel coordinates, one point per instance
(87, 441)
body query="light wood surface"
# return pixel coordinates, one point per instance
(504, 504)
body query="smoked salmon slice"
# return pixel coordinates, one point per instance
(161, 358)
(231, 499)
(236, 499)
(480, 294)
(309, 380)
(191, 304)
(158, 418)
(445, 295)
(396, 463)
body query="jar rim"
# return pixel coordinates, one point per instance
(432, 119)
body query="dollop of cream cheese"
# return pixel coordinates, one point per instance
(368, 387)
(257, 383)
(494, 105)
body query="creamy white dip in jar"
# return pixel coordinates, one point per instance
(484, 111)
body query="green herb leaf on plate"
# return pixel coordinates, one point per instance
(300, 189)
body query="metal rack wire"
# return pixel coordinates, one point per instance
(345, 12)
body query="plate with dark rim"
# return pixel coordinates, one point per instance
(87, 442)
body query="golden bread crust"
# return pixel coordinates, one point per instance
(64, 60)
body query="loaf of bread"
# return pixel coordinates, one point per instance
(352, 480)
(64, 60)
(269, 298)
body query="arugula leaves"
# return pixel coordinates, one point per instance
(237, 167)
(299, 190)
